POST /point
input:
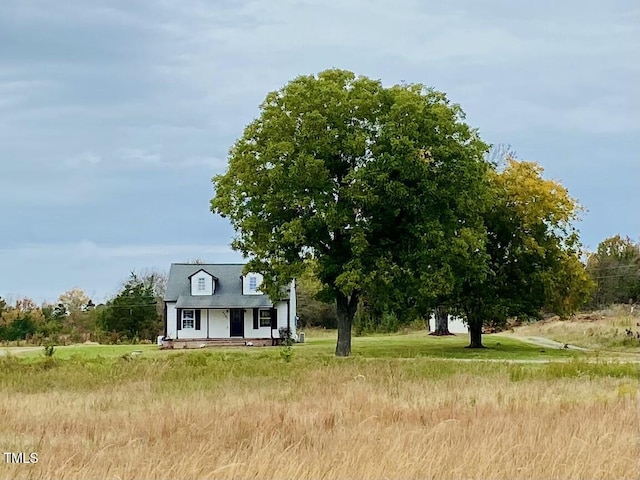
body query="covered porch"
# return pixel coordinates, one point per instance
(198, 327)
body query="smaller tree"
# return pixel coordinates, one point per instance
(74, 300)
(156, 280)
(133, 311)
(197, 261)
(53, 317)
(570, 287)
(312, 310)
(532, 251)
(441, 322)
(615, 269)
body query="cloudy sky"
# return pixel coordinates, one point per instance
(114, 115)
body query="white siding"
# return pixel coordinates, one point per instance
(246, 281)
(218, 323)
(293, 309)
(192, 332)
(209, 286)
(282, 314)
(214, 323)
(249, 331)
(171, 320)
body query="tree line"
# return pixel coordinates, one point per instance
(134, 314)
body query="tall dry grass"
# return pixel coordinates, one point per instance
(604, 329)
(352, 419)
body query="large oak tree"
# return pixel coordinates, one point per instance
(384, 187)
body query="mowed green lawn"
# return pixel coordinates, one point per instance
(322, 344)
(90, 367)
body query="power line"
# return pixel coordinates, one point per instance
(614, 267)
(130, 306)
(615, 276)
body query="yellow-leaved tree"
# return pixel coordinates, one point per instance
(533, 251)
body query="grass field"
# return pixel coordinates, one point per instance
(402, 406)
(322, 344)
(603, 330)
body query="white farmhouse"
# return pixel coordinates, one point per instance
(205, 303)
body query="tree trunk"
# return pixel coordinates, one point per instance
(475, 334)
(345, 310)
(441, 320)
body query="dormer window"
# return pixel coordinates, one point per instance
(202, 283)
(251, 284)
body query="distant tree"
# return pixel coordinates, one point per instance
(571, 288)
(20, 321)
(380, 186)
(157, 281)
(72, 313)
(74, 300)
(615, 269)
(25, 304)
(313, 311)
(500, 154)
(441, 322)
(53, 317)
(132, 312)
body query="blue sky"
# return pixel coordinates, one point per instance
(114, 115)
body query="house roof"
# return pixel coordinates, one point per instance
(228, 292)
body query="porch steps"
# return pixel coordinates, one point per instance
(216, 342)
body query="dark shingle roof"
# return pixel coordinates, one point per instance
(228, 292)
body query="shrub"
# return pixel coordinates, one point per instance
(286, 352)
(49, 350)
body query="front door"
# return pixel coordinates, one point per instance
(236, 322)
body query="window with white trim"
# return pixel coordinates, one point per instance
(265, 318)
(188, 319)
(253, 284)
(202, 285)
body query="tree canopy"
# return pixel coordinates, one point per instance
(383, 187)
(532, 249)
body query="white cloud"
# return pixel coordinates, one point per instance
(96, 268)
(82, 159)
(87, 249)
(125, 159)
(137, 156)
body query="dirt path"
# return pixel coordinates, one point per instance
(12, 350)
(546, 342)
